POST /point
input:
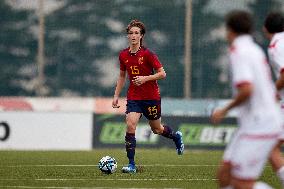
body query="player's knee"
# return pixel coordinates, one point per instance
(157, 130)
(238, 184)
(223, 178)
(131, 125)
(272, 158)
(276, 152)
(276, 158)
(224, 175)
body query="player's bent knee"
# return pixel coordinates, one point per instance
(243, 184)
(131, 128)
(223, 178)
(224, 175)
(131, 124)
(157, 130)
(275, 159)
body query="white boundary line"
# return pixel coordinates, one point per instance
(67, 187)
(147, 165)
(104, 179)
(109, 179)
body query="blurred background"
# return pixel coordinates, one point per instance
(59, 67)
(69, 48)
(58, 71)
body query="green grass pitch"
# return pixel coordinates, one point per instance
(160, 168)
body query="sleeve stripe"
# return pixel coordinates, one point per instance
(241, 83)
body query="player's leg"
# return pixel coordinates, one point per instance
(224, 175)
(168, 132)
(152, 111)
(242, 184)
(224, 172)
(276, 158)
(277, 161)
(132, 118)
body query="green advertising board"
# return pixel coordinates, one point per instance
(109, 131)
(114, 132)
(204, 134)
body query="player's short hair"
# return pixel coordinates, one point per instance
(239, 21)
(136, 23)
(274, 22)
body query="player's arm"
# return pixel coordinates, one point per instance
(160, 74)
(278, 59)
(119, 85)
(280, 82)
(244, 92)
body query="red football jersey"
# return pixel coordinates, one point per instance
(141, 63)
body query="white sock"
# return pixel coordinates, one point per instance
(261, 185)
(227, 187)
(280, 174)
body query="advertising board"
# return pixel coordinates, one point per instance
(109, 131)
(45, 131)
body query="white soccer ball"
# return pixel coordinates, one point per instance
(107, 164)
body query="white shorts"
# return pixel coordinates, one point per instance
(248, 154)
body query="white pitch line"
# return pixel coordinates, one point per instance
(149, 165)
(67, 187)
(109, 179)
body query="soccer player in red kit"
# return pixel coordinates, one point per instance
(143, 97)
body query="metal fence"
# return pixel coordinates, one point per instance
(72, 50)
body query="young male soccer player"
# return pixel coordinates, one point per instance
(259, 115)
(274, 30)
(143, 96)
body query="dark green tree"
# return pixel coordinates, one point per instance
(17, 51)
(205, 74)
(73, 64)
(83, 39)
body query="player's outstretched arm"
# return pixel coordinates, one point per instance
(244, 92)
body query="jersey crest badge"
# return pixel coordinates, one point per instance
(140, 60)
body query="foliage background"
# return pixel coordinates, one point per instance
(83, 39)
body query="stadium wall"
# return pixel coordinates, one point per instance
(88, 123)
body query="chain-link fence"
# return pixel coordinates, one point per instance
(82, 40)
